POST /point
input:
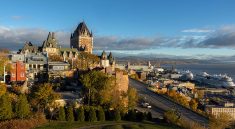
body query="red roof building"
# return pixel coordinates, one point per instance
(18, 71)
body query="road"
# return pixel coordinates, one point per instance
(160, 104)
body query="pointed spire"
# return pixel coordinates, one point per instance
(49, 36)
(103, 55)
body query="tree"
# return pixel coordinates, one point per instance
(117, 116)
(3, 89)
(43, 96)
(101, 114)
(55, 58)
(22, 108)
(149, 116)
(81, 114)
(132, 98)
(61, 116)
(92, 115)
(131, 115)
(5, 107)
(172, 116)
(200, 94)
(193, 104)
(69, 114)
(221, 121)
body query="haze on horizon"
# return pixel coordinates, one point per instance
(200, 28)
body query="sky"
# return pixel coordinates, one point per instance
(196, 28)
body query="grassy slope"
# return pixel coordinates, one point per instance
(104, 125)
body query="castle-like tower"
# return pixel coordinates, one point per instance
(50, 45)
(82, 38)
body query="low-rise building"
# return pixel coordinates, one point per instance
(217, 110)
(18, 72)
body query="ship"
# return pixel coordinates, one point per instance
(216, 80)
(186, 75)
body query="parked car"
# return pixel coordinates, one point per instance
(146, 105)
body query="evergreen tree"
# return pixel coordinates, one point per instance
(117, 116)
(149, 116)
(101, 114)
(131, 116)
(5, 107)
(81, 114)
(61, 116)
(22, 108)
(92, 115)
(69, 114)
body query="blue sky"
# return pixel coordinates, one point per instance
(190, 27)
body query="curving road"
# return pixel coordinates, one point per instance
(161, 104)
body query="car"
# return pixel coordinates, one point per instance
(146, 105)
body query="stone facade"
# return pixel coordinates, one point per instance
(50, 45)
(82, 39)
(122, 80)
(28, 48)
(107, 61)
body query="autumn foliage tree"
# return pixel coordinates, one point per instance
(3, 89)
(132, 98)
(55, 58)
(193, 104)
(42, 96)
(221, 121)
(85, 60)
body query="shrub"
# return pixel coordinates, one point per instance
(92, 115)
(131, 115)
(172, 117)
(5, 107)
(190, 125)
(117, 116)
(81, 114)
(36, 120)
(140, 116)
(149, 116)
(101, 114)
(22, 107)
(69, 114)
(61, 115)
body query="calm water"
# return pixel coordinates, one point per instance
(225, 68)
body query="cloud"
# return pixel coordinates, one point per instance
(16, 17)
(195, 30)
(14, 38)
(223, 37)
(115, 43)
